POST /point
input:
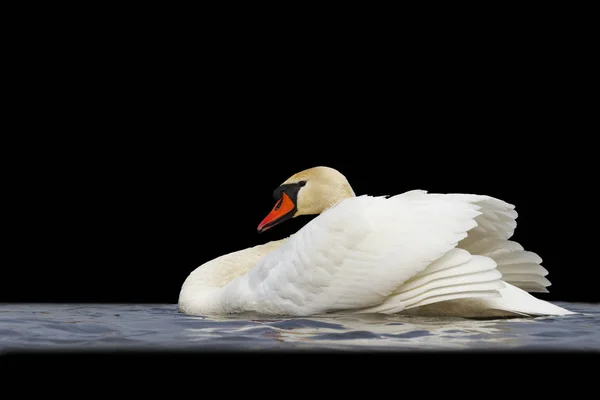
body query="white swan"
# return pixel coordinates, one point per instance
(414, 253)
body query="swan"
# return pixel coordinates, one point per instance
(415, 253)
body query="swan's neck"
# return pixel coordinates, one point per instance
(344, 193)
(204, 281)
(316, 201)
(222, 270)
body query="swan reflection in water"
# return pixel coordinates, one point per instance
(373, 331)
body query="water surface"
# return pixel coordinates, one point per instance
(162, 327)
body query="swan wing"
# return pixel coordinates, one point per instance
(354, 255)
(495, 226)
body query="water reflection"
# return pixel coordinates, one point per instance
(373, 331)
(83, 326)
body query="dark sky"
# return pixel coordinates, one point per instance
(127, 223)
(126, 179)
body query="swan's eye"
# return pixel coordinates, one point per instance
(301, 183)
(278, 204)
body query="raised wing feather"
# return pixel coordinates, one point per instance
(353, 255)
(498, 218)
(495, 226)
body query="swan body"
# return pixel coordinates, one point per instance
(414, 253)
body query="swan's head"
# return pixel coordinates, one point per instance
(309, 192)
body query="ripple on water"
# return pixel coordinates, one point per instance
(58, 326)
(347, 335)
(305, 323)
(411, 334)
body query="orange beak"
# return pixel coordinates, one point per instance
(282, 211)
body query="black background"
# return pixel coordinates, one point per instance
(136, 158)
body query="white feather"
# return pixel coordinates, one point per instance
(353, 255)
(450, 277)
(496, 225)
